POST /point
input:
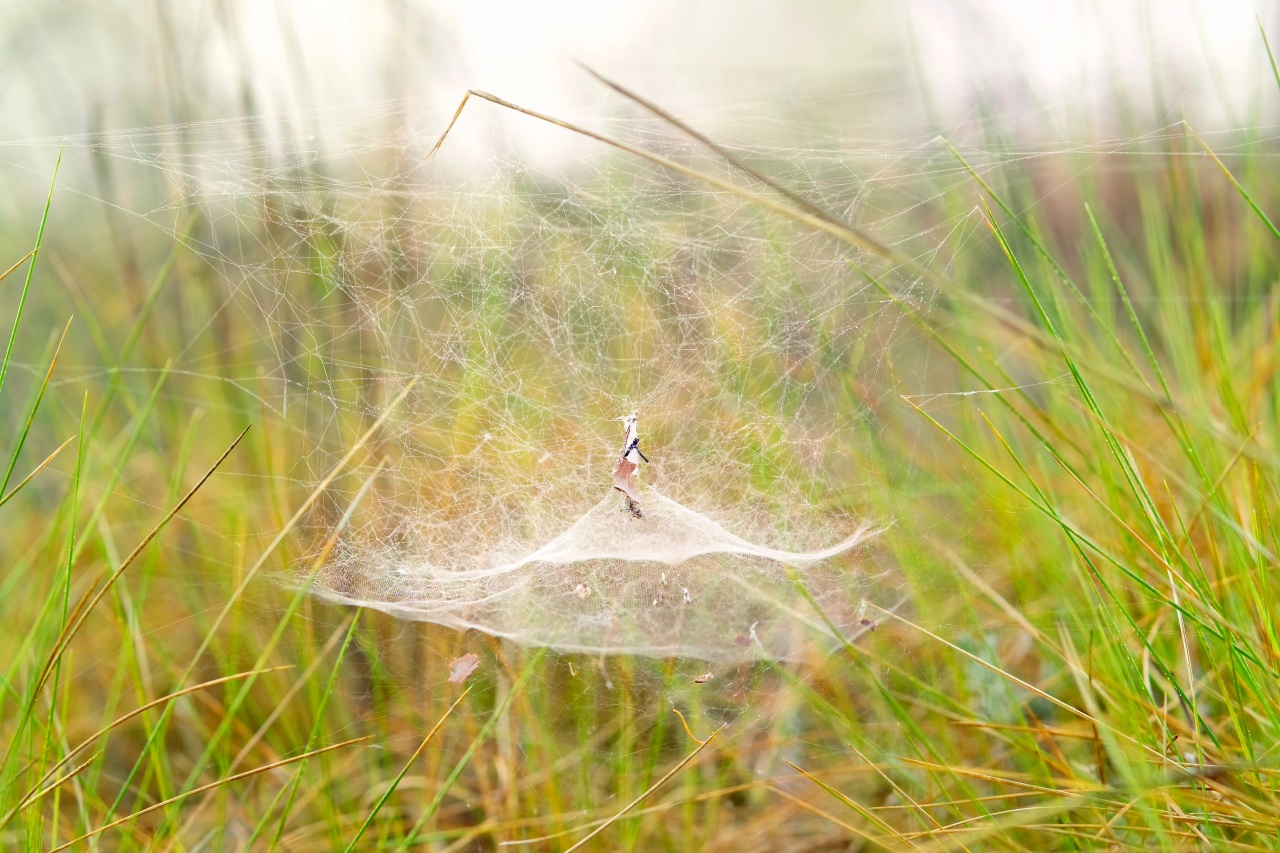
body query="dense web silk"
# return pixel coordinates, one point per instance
(670, 583)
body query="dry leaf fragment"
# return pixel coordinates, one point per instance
(460, 670)
(624, 478)
(624, 471)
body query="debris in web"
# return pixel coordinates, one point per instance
(462, 668)
(624, 472)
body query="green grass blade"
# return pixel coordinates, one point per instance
(31, 268)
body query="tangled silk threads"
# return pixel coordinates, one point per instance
(670, 582)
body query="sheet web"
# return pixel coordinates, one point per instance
(521, 313)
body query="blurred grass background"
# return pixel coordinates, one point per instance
(1089, 656)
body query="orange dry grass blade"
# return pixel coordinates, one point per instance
(655, 786)
(27, 479)
(272, 766)
(90, 600)
(35, 794)
(74, 627)
(20, 262)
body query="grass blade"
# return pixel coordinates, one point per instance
(237, 777)
(31, 268)
(651, 789)
(377, 807)
(31, 416)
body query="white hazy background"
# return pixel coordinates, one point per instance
(80, 66)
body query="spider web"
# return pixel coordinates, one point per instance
(514, 314)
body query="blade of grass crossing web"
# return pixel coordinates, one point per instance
(386, 795)
(845, 233)
(287, 528)
(411, 837)
(1244, 193)
(31, 268)
(772, 183)
(966, 363)
(1046, 255)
